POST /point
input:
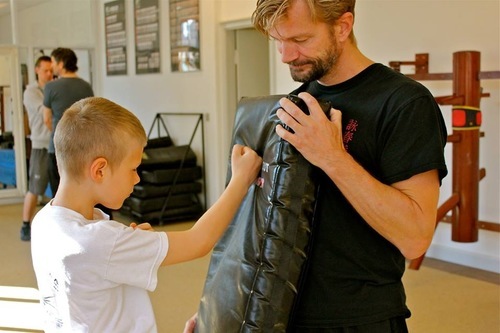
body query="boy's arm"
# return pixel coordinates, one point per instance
(201, 238)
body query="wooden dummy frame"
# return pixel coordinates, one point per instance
(464, 200)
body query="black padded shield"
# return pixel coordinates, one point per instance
(255, 268)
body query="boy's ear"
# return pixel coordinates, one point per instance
(98, 168)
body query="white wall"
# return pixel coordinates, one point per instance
(80, 24)
(389, 30)
(396, 30)
(148, 94)
(5, 30)
(57, 23)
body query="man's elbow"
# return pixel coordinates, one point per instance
(419, 241)
(416, 248)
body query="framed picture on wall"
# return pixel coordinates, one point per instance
(116, 37)
(147, 36)
(184, 35)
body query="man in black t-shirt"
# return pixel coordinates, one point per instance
(382, 162)
(59, 95)
(381, 159)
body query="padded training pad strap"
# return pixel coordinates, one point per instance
(254, 270)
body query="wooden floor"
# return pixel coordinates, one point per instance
(465, 271)
(443, 297)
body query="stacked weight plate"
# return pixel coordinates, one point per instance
(169, 186)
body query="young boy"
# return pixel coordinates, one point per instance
(94, 274)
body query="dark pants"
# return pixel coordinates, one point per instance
(394, 325)
(53, 174)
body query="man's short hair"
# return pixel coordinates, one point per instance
(67, 57)
(42, 59)
(268, 12)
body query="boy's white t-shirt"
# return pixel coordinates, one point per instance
(94, 275)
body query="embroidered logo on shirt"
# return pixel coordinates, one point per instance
(352, 126)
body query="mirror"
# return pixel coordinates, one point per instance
(84, 62)
(16, 71)
(15, 145)
(13, 180)
(184, 36)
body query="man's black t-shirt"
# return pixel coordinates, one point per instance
(393, 127)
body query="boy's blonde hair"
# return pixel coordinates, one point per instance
(94, 127)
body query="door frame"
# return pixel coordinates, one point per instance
(227, 83)
(14, 195)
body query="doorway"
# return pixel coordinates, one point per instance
(252, 63)
(247, 71)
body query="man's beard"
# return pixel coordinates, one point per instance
(320, 66)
